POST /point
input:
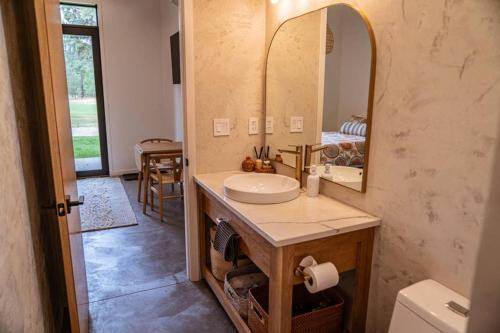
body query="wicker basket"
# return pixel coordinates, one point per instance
(326, 319)
(238, 283)
(219, 266)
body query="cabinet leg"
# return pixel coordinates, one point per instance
(280, 290)
(363, 270)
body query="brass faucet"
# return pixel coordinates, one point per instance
(309, 150)
(298, 160)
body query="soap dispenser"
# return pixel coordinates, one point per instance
(313, 182)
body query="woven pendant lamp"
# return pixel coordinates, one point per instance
(329, 39)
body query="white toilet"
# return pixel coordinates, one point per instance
(429, 307)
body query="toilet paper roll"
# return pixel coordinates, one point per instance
(323, 276)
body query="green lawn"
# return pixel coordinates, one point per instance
(86, 146)
(83, 113)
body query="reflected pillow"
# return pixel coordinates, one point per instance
(353, 128)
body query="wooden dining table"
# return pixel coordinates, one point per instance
(148, 149)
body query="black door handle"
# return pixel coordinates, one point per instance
(69, 203)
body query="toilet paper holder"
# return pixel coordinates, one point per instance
(305, 262)
(299, 271)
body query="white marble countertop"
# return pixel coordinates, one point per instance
(302, 219)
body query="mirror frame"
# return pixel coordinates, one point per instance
(371, 88)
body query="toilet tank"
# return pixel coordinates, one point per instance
(425, 308)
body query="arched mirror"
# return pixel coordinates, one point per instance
(319, 92)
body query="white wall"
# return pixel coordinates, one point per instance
(172, 93)
(140, 99)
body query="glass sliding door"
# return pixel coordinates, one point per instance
(84, 79)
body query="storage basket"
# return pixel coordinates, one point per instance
(219, 266)
(238, 283)
(310, 313)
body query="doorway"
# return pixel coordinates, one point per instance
(82, 57)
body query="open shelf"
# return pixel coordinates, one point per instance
(218, 289)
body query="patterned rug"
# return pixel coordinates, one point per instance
(106, 204)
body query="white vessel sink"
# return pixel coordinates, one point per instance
(261, 188)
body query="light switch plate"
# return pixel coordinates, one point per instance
(253, 125)
(221, 127)
(296, 124)
(269, 125)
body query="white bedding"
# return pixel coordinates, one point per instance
(337, 138)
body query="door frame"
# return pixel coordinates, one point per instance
(186, 20)
(78, 30)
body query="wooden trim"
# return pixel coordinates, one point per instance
(363, 271)
(53, 83)
(186, 20)
(281, 290)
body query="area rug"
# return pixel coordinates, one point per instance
(106, 204)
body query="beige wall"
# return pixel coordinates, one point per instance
(434, 128)
(229, 52)
(20, 300)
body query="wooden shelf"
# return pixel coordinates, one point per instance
(218, 289)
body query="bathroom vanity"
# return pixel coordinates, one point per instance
(277, 236)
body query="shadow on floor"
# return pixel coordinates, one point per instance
(137, 280)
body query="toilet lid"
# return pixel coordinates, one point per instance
(428, 300)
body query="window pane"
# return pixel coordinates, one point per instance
(80, 77)
(78, 15)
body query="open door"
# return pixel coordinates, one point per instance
(53, 77)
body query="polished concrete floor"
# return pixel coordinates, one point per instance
(137, 279)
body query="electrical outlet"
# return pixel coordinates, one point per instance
(269, 125)
(296, 124)
(253, 125)
(221, 127)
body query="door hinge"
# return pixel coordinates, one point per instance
(187, 162)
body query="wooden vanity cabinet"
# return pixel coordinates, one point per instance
(348, 251)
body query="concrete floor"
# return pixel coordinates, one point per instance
(137, 279)
(88, 164)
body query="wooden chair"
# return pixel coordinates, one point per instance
(139, 163)
(159, 178)
(156, 140)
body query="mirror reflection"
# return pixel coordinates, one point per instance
(319, 91)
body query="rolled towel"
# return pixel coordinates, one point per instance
(227, 242)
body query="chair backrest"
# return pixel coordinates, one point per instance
(157, 140)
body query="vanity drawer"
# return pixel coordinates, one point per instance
(251, 243)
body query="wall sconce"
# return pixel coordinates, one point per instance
(274, 2)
